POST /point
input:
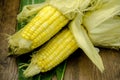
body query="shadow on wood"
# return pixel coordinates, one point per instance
(81, 68)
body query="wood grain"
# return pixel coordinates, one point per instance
(8, 11)
(79, 67)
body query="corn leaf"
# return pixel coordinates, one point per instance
(60, 70)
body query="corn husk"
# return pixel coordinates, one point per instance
(68, 7)
(28, 11)
(103, 25)
(85, 43)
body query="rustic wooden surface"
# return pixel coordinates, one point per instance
(8, 11)
(79, 67)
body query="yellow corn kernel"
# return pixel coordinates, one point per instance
(44, 27)
(41, 28)
(52, 53)
(38, 20)
(53, 29)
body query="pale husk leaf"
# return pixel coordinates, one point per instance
(92, 19)
(103, 25)
(29, 10)
(107, 34)
(69, 7)
(85, 43)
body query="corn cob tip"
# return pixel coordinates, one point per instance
(18, 45)
(16, 50)
(32, 70)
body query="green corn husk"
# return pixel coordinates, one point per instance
(103, 25)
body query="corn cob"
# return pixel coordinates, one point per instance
(41, 28)
(52, 53)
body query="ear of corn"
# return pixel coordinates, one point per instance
(52, 54)
(53, 15)
(40, 29)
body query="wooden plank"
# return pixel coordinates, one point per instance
(81, 68)
(8, 12)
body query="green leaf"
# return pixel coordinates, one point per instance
(47, 76)
(60, 70)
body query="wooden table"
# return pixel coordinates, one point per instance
(79, 67)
